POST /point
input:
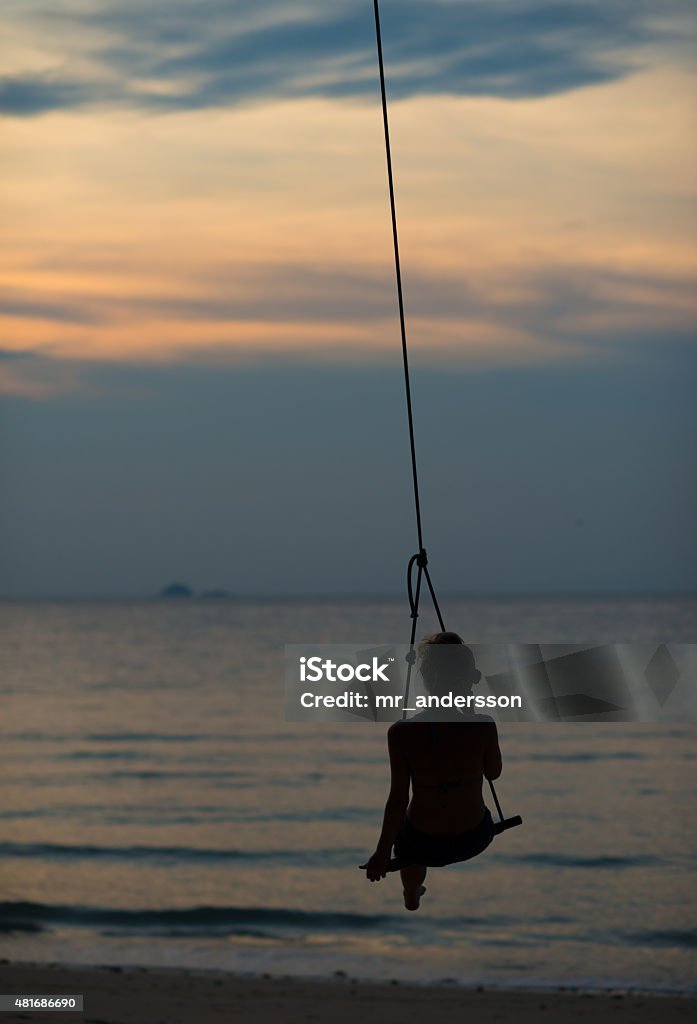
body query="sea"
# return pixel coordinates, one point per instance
(157, 809)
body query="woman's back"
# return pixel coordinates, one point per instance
(447, 763)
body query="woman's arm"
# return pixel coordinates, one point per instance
(396, 805)
(493, 764)
(398, 797)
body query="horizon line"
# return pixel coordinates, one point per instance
(349, 596)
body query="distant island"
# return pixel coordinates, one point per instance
(177, 590)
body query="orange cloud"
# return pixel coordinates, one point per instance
(528, 227)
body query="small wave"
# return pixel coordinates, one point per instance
(27, 813)
(561, 860)
(614, 755)
(121, 737)
(83, 851)
(154, 737)
(322, 814)
(197, 932)
(101, 755)
(263, 922)
(146, 773)
(9, 925)
(219, 814)
(681, 938)
(192, 737)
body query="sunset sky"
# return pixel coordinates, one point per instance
(200, 362)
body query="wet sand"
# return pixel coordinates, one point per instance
(136, 995)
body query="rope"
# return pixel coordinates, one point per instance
(398, 272)
(420, 559)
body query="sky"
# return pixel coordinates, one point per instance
(200, 366)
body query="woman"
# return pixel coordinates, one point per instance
(445, 756)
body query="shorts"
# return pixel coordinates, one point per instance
(435, 851)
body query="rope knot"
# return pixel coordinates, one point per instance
(411, 657)
(422, 559)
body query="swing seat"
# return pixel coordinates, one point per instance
(505, 823)
(495, 829)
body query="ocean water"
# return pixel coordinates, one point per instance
(157, 809)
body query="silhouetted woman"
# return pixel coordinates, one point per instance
(445, 761)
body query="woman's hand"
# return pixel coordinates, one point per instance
(377, 867)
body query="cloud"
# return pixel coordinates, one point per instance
(551, 229)
(26, 96)
(185, 54)
(32, 374)
(17, 303)
(14, 355)
(346, 314)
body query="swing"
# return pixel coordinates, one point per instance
(419, 560)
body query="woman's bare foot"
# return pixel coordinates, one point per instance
(412, 897)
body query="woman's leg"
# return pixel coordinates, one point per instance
(413, 878)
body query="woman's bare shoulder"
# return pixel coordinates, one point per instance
(482, 720)
(399, 728)
(401, 733)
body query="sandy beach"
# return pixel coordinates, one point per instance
(115, 995)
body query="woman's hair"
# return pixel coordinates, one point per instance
(442, 669)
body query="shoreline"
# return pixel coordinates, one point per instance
(172, 995)
(339, 977)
